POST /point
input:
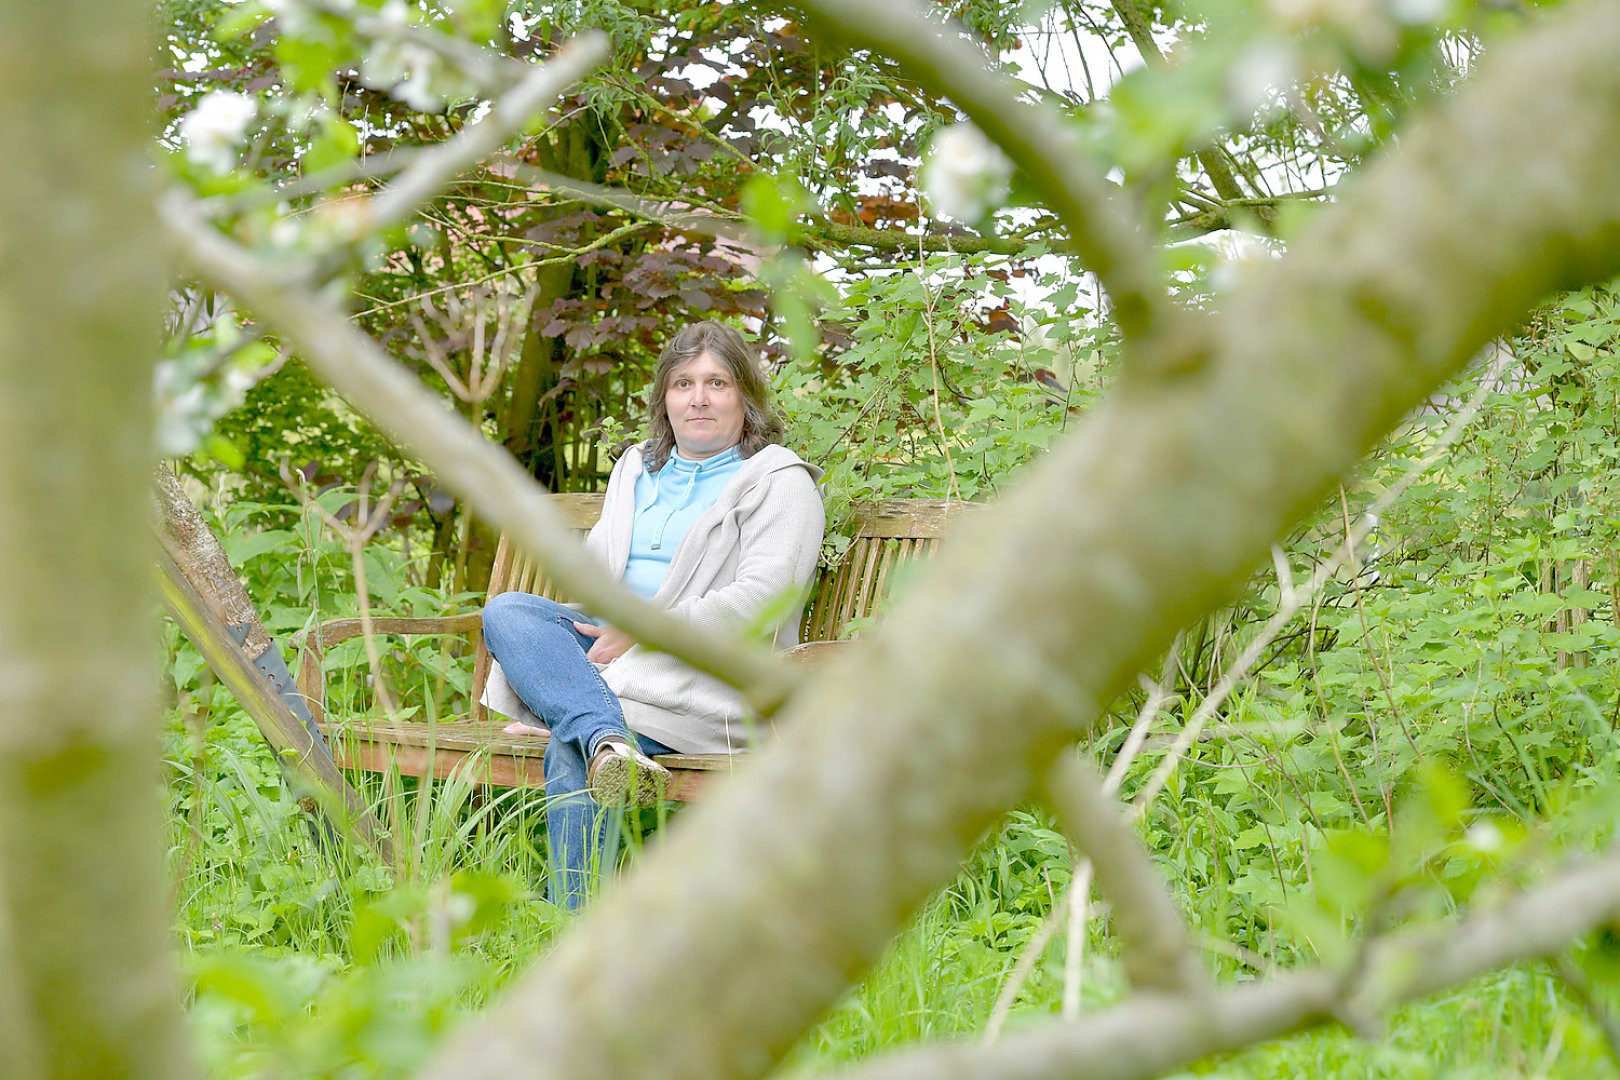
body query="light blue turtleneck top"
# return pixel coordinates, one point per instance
(668, 502)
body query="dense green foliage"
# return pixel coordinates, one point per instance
(1436, 725)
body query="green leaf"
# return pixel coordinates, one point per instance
(337, 143)
(238, 20)
(251, 983)
(477, 19)
(308, 64)
(242, 548)
(224, 451)
(774, 205)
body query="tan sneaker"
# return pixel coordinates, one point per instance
(621, 775)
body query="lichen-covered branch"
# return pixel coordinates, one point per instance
(196, 550)
(1158, 952)
(821, 235)
(1153, 1033)
(88, 987)
(1139, 26)
(202, 592)
(780, 890)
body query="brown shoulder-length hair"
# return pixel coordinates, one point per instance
(761, 423)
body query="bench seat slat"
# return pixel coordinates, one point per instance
(482, 736)
(483, 752)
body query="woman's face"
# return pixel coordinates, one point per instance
(705, 407)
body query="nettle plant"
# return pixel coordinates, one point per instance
(1444, 709)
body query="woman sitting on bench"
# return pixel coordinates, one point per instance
(711, 518)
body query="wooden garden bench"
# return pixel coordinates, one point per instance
(887, 535)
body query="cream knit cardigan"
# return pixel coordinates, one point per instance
(758, 542)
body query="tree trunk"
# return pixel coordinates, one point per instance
(87, 985)
(532, 426)
(525, 429)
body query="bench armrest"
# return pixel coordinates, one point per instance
(312, 646)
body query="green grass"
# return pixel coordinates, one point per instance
(306, 961)
(1514, 1023)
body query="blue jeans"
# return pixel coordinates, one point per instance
(543, 657)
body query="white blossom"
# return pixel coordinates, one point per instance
(965, 175)
(404, 69)
(401, 67)
(190, 399)
(194, 389)
(215, 127)
(1238, 252)
(235, 383)
(292, 17)
(394, 15)
(1366, 25)
(461, 908)
(1302, 13)
(1484, 837)
(284, 232)
(1418, 12)
(1260, 71)
(182, 410)
(417, 89)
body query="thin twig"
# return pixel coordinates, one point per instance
(930, 304)
(515, 270)
(1024, 966)
(1074, 959)
(1293, 599)
(1354, 565)
(488, 70)
(355, 538)
(1157, 695)
(1150, 1034)
(679, 217)
(367, 526)
(1158, 950)
(1021, 970)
